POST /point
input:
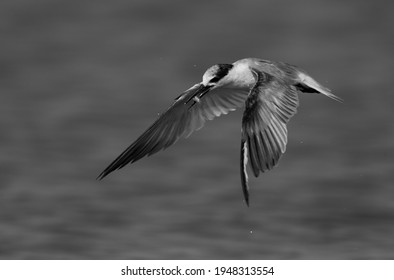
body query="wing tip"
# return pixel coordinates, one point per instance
(110, 168)
(244, 174)
(103, 174)
(245, 189)
(247, 200)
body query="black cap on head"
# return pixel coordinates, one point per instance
(221, 71)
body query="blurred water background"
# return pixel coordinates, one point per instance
(80, 80)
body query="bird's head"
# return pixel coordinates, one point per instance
(215, 74)
(211, 79)
(237, 75)
(230, 76)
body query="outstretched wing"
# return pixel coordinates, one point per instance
(186, 114)
(270, 105)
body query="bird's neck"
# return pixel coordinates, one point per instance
(240, 77)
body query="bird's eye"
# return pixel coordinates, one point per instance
(214, 79)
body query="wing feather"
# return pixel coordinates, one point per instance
(244, 173)
(269, 106)
(180, 120)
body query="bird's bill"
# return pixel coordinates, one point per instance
(197, 92)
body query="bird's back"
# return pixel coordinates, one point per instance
(280, 70)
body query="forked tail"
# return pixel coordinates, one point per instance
(308, 84)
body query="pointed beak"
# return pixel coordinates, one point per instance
(197, 92)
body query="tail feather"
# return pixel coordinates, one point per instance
(308, 84)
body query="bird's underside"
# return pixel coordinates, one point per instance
(269, 92)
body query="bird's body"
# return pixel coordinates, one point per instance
(269, 91)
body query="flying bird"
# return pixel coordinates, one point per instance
(268, 91)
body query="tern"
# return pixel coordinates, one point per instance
(268, 91)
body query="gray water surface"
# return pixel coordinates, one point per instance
(80, 80)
